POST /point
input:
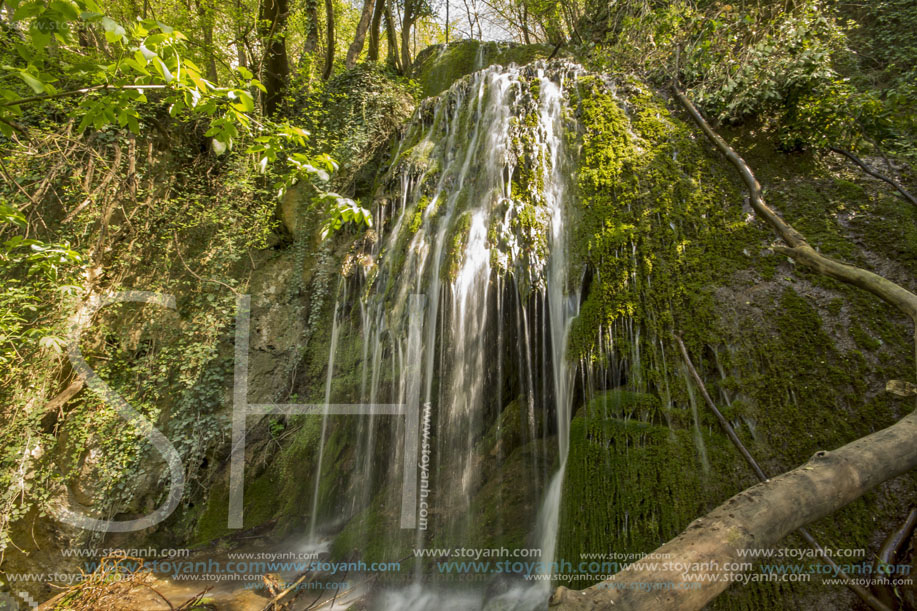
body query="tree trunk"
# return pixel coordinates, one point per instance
(241, 31)
(329, 39)
(391, 36)
(372, 53)
(407, 24)
(275, 67)
(207, 18)
(311, 42)
(756, 518)
(353, 52)
(312, 31)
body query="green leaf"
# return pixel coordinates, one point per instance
(10, 214)
(218, 147)
(113, 31)
(52, 343)
(30, 80)
(246, 103)
(133, 63)
(29, 9)
(68, 9)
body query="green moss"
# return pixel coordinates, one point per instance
(653, 218)
(417, 217)
(439, 66)
(509, 432)
(455, 253)
(376, 533)
(660, 224)
(862, 338)
(212, 523)
(501, 510)
(629, 485)
(419, 158)
(622, 404)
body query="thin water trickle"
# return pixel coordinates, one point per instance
(321, 448)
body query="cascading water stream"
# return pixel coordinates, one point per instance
(561, 309)
(480, 193)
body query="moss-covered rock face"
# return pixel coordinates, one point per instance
(437, 67)
(796, 362)
(629, 483)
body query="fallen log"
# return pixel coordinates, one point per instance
(754, 519)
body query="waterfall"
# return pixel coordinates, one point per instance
(475, 194)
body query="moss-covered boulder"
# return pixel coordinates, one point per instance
(438, 66)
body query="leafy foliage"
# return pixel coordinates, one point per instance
(795, 70)
(79, 85)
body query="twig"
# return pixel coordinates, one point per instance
(875, 174)
(15, 126)
(159, 594)
(272, 604)
(192, 602)
(193, 273)
(10, 178)
(115, 166)
(863, 593)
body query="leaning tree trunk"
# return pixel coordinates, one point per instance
(759, 517)
(756, 518)
(353, 52)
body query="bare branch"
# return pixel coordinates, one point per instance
(876, 174)
(73, 92)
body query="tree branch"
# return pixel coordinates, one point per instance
(754, 519)
(875, 174)
(799, 249)
(760, 516)
(73, 92)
